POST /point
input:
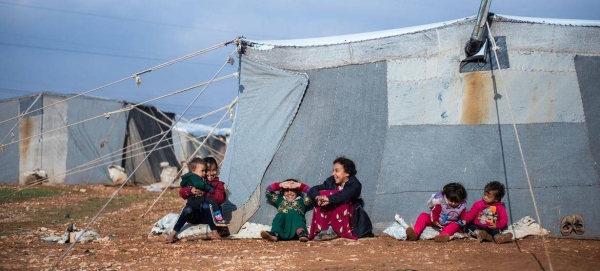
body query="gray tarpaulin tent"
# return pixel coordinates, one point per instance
(413, 116)
(39, 140)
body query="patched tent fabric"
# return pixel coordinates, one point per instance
(397, 103)
(264, 114)
(66, 139)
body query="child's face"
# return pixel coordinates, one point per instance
(211, 172)
(339, 174)
(453, 204)
(200, 170)
(290, 194)
(489, 197)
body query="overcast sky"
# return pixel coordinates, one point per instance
(69, 46)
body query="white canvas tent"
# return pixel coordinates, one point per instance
(413, 116)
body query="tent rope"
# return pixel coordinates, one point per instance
(187, 162)
(102, 143)
(512, 117)
(84, 167)
(137, 167)
(187, 136)
(187, 89)
(128, 108)
(136, 75)
(20, 118)
(228, 107)
(117, 153)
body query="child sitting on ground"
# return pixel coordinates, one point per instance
(212, 172)
(488, 216)
(196, 178)
(289, 223)
(447, 207)
(200, 204)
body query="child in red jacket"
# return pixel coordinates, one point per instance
(487, 217)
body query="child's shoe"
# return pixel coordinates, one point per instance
(221, 223)
(223, 231)
(269, 236)
(411, 235)
(325, 236)
(501, 238)
(483, 235)
(302, 236)
(566, 225)
(578, 224)
(442, 238)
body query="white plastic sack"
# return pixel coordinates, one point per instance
(398, 229)
(165, 226)
(524, 227)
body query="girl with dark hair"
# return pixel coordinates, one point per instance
(447, 208)
(338, 206)
(289, 223)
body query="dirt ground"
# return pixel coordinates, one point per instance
(33, 213)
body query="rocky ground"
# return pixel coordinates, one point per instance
(33, 213)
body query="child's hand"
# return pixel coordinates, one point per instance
(492, 225)
(321, 200)
(197, 191)
(324, 201)
(437, 224)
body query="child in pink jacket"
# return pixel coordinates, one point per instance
(487, 217)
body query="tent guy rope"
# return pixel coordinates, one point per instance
(187, 162)
(136, 75)
(512, 117)
(20, 118)
(130, 107)
(137, 167)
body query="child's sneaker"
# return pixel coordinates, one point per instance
(483, 235)
(221, 223)
(501, 238)
(302, 236)
(442, 238)
(411, 235)
(269, 236)
(578, 224)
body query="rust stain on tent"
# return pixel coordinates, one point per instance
(476, 99)
(25, 132)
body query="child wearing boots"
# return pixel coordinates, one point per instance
(289, 223)
(487, 217)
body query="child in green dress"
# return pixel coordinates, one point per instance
(289, 223)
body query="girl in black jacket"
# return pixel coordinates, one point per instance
(338, 204)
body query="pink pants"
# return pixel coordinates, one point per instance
(424, 220)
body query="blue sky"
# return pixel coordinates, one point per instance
(70, 46)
